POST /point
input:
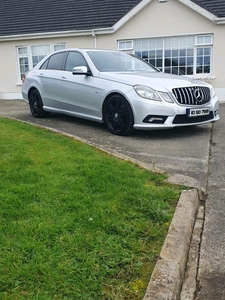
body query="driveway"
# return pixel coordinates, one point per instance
(183, 151)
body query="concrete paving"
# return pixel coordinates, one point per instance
(192, 156)
(205, 273)
(211, 273)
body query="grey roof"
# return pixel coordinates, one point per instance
(216, 7)
(21, 17)
(41, 16)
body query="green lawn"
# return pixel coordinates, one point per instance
(76, 223)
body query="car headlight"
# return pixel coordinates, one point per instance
(147, 93)
(168, 97)
(212, 93)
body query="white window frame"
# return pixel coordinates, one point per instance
(200, 46)
(203, 36)
(207, 42)
(29, 55)
(125, 42)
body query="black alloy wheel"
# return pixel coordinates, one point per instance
(36, 105)
(118, 115)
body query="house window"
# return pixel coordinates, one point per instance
(203, 64)
(185, 55)
(29, 56)
(38, 53)
(23, 60)
(151, 50)
(179, 55)
(125, 45)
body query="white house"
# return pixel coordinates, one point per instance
(177, 36)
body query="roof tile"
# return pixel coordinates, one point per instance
(216, 7)
(41, 16)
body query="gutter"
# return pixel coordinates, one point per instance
(42, 35)
(219, 21)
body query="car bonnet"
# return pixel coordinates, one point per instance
(158, 81)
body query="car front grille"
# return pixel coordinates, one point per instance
(195, 95)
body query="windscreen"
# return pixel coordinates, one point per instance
(115, 61)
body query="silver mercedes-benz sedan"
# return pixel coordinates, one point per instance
(117, 89)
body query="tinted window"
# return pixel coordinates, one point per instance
(74, 59)
(57, 61)
(44, 66)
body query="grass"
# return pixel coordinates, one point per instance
(76, 223)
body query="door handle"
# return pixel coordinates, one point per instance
(63, 78)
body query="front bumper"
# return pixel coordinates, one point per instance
(149, 114)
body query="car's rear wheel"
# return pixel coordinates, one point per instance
(36, 105)
(118, 115)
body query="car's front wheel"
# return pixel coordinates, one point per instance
(36, 105)
(118, 115)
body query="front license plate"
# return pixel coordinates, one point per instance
(195, 112)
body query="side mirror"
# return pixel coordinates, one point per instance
(81, 70)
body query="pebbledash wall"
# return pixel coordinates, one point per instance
(157, 23)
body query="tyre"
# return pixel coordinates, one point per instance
(118, 115)
(36, 105)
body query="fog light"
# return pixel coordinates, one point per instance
(155, 119)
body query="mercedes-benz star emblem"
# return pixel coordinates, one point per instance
(198, 95)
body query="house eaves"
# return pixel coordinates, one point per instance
(203, 11)
(32, 36)
(88, 32)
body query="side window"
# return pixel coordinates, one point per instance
(56, 61)
(74, 59)
(45, 64)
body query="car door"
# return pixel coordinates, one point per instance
(50, 75)
(77, 91)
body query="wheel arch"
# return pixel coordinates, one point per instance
(30, 91)
(118, 114)
(36, 103)
(114, 94)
